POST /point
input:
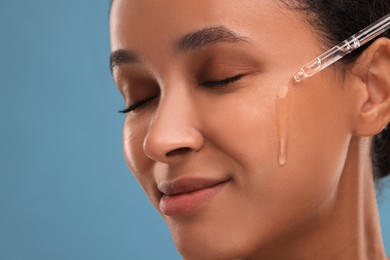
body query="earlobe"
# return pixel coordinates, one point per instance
(373, 67)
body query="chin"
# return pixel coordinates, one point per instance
(212, 251)
(202, 241)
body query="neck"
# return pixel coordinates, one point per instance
(349, 228)
(354, 219)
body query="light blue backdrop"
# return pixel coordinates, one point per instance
(65, 191)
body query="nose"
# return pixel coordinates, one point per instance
(174, 131)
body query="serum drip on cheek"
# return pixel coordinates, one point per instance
(282, 107)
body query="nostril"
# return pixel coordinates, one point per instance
(178, 151)
(166, 141)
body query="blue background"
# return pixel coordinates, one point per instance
(65, 191)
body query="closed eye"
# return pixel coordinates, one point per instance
(136, 105)
(216, 83)
(219, 83)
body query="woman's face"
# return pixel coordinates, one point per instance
(205, 145)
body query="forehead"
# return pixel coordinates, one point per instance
(150, 27)
(165, 19)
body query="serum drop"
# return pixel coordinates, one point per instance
(282, 107)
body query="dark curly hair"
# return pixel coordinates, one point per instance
(336, 20)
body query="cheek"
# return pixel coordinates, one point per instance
(319, 129)
(242, 125)
(318, 139)
(134, 131)
(316, 150)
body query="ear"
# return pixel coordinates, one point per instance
(373, 69)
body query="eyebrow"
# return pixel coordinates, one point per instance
(188, 42)
(122, 56)
(207, 36)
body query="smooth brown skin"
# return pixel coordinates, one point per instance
(321, 204)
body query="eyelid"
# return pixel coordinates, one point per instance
(216, 83)
(222, 82)
(136, 105)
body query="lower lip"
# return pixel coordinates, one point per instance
(188, 202)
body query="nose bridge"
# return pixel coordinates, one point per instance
(174, 126)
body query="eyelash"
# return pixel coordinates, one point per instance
(209, 84)
(136, 105)
(223, 82)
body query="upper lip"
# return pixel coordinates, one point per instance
(186, 185)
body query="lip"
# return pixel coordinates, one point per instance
(186, 195)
